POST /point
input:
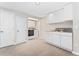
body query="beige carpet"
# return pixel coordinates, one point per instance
(34, 48)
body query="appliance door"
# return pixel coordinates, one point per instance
(30, 32)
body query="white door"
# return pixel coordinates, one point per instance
(21, 29)
(7, 31)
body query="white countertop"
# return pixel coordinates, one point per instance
(61, 33)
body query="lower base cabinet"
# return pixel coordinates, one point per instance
(62, 40)
(55, 39)
(66, 43)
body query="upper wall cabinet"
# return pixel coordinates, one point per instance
(68, 12)
(56, 16)
(61, 15)
(51, 18)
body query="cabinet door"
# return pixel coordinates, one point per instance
(66, 42)
(56, 39)
(53, 39)
(7, 30)
(36, 33)
(21, 28)
(48, 37)
(51, 18)
(58, 15)
(68, 12)
(61, 15)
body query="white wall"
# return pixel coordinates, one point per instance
(43, 28)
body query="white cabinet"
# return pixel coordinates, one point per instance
(56, 16)
(7, 28)
(51, 18)
(36, 34)
(48, 37)
(55, 39)
(61, 15)
(62, 40)
(31, 24)
(68, 12)
(66, 42)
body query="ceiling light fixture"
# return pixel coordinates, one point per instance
(32, 18)
(37, 3)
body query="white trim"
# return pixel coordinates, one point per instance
(76, 53)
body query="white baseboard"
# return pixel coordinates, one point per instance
(76, 53)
